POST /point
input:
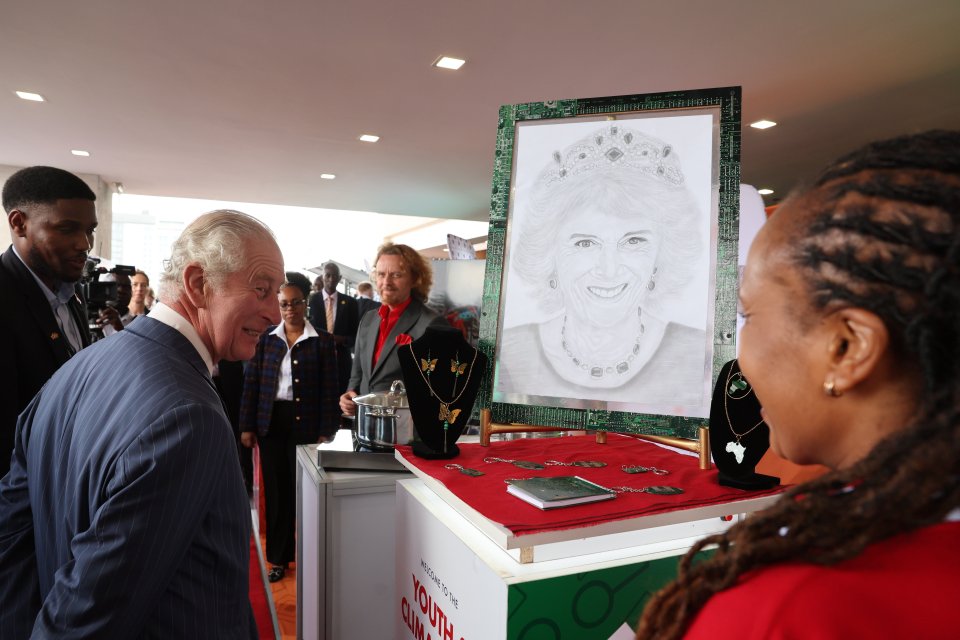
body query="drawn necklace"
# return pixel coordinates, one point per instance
(447, 415)
(734, 386)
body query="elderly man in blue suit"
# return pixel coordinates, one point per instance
(124, 514)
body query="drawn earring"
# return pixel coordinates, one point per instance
(653, 282)
(553, 283)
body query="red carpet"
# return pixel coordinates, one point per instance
(258, 590)
(258, 595)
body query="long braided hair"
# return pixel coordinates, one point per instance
(884, 237)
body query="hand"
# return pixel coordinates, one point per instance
(347, 405)
(110, 316)
(248, 439)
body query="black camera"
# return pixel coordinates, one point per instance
(100, 295)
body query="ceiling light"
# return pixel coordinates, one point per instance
(327, 176)
(446, 62)
(369, 138)
(26, 95)
(765, 192)
(763, 124)
(80, 152)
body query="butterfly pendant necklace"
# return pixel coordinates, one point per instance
(427, 366)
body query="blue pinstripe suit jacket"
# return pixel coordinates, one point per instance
(124, 514)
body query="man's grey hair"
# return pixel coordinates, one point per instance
(217, 242)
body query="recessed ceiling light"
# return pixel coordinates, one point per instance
(26, 95)
(369, 138)
(327, 176)
(80, 152)
(765, 192)
(446, 62)
(763, 124)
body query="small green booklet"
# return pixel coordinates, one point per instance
(559, 491)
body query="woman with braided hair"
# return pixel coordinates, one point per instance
(851, 298)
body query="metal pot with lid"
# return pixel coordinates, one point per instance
(383, 419)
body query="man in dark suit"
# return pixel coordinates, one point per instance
(365, 301)
(124, 513)
(43, 322)
(336, 313)
(403, 280)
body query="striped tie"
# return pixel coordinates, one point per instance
(330, 314)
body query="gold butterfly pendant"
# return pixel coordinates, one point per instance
(428, 365)
(457, 368)
(448, 415)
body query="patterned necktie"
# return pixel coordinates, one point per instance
(330, 314)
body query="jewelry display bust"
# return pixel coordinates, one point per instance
(442, 373)
(738, 435)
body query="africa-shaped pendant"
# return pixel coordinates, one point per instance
(737, 450)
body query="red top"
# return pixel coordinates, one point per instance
(904, 587)
(388, 320)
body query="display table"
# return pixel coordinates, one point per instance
(345, 548)
(464, 576)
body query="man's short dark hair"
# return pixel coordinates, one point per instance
(43, 185)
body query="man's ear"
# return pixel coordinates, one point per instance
(18, 223)
(194, 280)
(858, 343)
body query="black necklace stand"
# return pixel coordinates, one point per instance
(738, 412)
(454, 370)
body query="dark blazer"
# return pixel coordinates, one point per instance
(365, 377)
(34, 347)
(315, 386)
(344, 325)
(124, 514)
(364, 305)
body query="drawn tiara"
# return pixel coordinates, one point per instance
(614, 148)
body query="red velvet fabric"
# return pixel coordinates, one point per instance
(488, 493)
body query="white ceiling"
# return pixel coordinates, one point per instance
(250, 100)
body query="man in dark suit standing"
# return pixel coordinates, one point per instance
(336, 313)
(365, 301)
(124, 514)
(403, 279)
(43, 322)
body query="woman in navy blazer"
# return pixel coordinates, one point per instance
(290, 397)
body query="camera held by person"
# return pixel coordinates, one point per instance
(108, 295)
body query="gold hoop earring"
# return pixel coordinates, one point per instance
(830, 388)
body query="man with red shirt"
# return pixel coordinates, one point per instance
(403, 278)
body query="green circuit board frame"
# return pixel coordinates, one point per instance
(727, 103)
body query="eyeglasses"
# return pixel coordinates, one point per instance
(291, 304)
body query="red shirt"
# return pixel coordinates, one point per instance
(907, 586)
(388, 320)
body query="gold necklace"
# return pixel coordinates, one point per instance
(448, 415)
(736, 448)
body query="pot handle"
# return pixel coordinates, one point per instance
(397, 387)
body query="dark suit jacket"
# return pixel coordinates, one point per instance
(364, 305)
(124, 514)
(344, 325)
(365, 377)
(34, 347)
